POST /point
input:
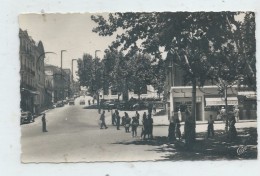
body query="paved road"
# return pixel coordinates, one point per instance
(74, 136)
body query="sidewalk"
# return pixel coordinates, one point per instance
(162, 120)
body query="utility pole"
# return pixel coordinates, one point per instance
(72, 81)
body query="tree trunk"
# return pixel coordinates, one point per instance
(193, 111)
(98, 104)
(226, 106)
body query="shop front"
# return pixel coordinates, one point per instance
(247, 105)
(213, 105)
(208, 101)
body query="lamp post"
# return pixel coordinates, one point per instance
(72, 69)
(62, 95)
(72, 82)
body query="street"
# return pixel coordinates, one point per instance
(74, 136)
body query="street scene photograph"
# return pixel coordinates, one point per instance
(137, 86)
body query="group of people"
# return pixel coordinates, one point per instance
(131, 123)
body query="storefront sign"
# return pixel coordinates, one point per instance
(221, 101)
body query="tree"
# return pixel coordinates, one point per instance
(193, 40)
(141, 73)
(90, 72)
(159, 76)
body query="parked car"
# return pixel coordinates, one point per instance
(82, 102)
(139, 106)
(26, 117)
(59, 104)
(71, 102)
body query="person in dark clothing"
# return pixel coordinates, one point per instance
(210, 126)
(44, 123)
(123, 120)
(232, 132)
(144, 128)
(137, 115)
(177, 128)
(150, 126)
(171, 132)
(135, 124)
(127, 123)
(88, 102)
(102, 119)
(114, 118)
(117, 120)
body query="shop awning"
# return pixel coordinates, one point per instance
(30, 91)
(221, 101)
(248, 94)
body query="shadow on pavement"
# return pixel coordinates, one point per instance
(217, 148)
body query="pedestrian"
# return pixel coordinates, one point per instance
(232, 132)
(102, 119)
(135, 124)
(188, 129)
(137, 115)
(223, 114)
(177, 128)
(127, 123)
(117, 120)
(150, 126)
(171, 130)
(179, 115)
(144, 127)
(93, 101)
(123, 119)
(236, 113)
(154, 109)
(210, 126)
(89, 102)
(44, 123)
(113, 118)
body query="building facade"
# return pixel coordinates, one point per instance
(32, 80)
(208, 100)
(59, 87)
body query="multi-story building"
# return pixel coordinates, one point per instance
(32, 73)
(58, 84)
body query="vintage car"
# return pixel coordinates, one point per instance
(26, 117)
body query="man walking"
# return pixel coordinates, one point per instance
(44, 123)
(117, 120)
(150, 126)
(210, 126)
(102, 119)
(135, 124)
(236, 113)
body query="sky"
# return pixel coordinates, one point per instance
(70, 32)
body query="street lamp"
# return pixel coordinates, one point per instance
(61, 73)
(72, 68)
(72, 82)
